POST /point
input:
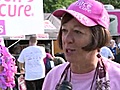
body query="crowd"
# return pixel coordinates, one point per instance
(27, 72)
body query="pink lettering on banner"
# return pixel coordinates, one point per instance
(2, 27)
(16, 10)
(30, 0)
(40, 36)
(18, 0)
(13, 0)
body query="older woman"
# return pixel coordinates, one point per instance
(83, 31)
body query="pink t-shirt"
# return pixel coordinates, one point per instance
(83, 81)
(47, 55)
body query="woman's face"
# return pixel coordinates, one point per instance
(74, 37)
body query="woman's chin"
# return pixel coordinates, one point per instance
(70, 59)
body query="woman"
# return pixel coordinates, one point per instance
(83, 31)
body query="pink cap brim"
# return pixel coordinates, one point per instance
(79, 16)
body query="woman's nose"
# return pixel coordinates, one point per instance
(69, 37)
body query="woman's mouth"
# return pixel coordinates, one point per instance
(70, 50)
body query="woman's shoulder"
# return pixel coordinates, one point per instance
(114, 75)
(114, 64)
(59, 68)
(54, 75)
(113, 68)
(49, 55)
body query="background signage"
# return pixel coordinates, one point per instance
(21, 17)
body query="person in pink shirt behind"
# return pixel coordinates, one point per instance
(83, 31)
(47, 60)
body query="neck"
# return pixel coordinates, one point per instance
(89, 64)
(83, 68)
(32, 44)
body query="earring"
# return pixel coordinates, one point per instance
(98, 55)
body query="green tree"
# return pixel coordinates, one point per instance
(115, 3)
(51, 5)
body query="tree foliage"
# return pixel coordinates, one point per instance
(115, 3)
(51, 5)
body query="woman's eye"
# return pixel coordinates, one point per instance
(78, 32)
(64, 30)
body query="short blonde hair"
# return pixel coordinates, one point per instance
(33, 39)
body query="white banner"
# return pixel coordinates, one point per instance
(21, 37)
(21, 17)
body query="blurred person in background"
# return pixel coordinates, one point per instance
(48, 60)
(106, 52)
(58, 60)
(113, 47)
(33, 56)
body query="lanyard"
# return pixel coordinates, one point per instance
(100, 77)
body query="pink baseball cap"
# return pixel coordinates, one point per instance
(87, 12)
